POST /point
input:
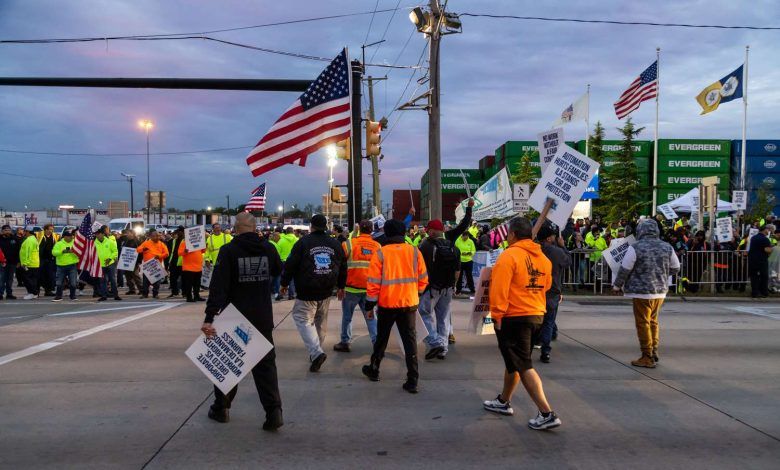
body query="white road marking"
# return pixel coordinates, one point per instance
(130, 307)
(760, 311)
(81, 334)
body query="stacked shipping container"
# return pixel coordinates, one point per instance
(682, 163)
(762, 164)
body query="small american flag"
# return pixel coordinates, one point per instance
(319, 117)
(84, 248)
(257, 201)
(499, 234)
(645, 87)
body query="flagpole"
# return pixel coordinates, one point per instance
(655, 144)
(587, 122)
(744, 120)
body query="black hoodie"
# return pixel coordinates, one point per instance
(242, 277)
(317, 264)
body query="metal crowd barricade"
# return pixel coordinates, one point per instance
(583, 274)
(723, 269)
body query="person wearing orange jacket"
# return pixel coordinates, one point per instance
(191, 269)
(359, 251)
(152, 248)
(396, 278)
(518, 284)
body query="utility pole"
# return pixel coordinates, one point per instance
(374, 158)
(228, 205)
(355, 172)
(132, 202)
(434, 123)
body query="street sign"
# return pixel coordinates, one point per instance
(520, 205)
(521, 191)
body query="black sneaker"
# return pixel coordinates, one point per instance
(541, 422)
(430, 355)
(273, 420)
(278, 298)
(219, 415)
(117, 298)
(545, 358)
(317, 362)
(102, 299)
(371, 373)
(410, 386)
(57, 299)
(342, 347)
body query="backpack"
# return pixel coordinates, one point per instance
(444, 256)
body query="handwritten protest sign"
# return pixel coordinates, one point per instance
(549, 142)
(667, 211)
(614, 255)
(96, 226)
(739, 200)
(232, 353)
(127, 259)
(153, 270)
(724, 230)
(195, 238)
(481, 323)
(378, 221)
(564, 181)
(205, 276)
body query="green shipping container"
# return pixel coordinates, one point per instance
(642, 148)
(694, 147)
(698, 165)
(670, 194)
(642, 163)
(681, 180)
(452, 180)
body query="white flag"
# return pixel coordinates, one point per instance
(577, 111)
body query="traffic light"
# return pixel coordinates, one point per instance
(344, 149)
(335, 194)
(373, 138)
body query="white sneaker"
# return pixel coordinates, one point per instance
(496, 406)
(541, 422)
(30, 297)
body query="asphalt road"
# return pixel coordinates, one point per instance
(106, 385)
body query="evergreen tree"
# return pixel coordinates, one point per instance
(594, 144)
(620, 191)
(762, 206)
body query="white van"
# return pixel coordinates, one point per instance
(117, 225)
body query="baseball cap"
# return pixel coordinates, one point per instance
(435, 224)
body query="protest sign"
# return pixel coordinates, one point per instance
(378, 221)
(739, 200)
(614, 255)
(484, 259)
(667, 211)
(481, 323)
(492, 200)
(751, 233)
(232, 353)
(127, 259)
(549, 142)
(724, 230)
(96, 226)
(564, 181)
(205, 276)
(153, 270)
(195, 238)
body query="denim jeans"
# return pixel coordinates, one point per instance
(435, 312)
(7, 275)
(109, 275)
(276, 284)
(72, 273)
(311, 318)
(548, 325)
(352, 300)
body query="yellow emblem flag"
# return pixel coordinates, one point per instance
(709, 98)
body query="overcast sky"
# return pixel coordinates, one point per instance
(501, 80)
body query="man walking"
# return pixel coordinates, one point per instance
(467, 249)
(518, 283)
(131, 276)
(555, 250)
(359, 251)
(30, 261)
(152, 248)
(107, 254)
(215, 242)
(10, 245)
(48, 265)
(175, 261)
(396, 277)
(758, 262)
(192, 267)
(285, 245)
(318, 265)
(67, 266)
(644, 277)
(242, 276)
(442, 259)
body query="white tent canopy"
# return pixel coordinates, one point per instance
(690, 199)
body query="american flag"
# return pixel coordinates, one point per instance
(257, 202)
(319, 117)
(84, 248)
(645, 87)
(499, 234)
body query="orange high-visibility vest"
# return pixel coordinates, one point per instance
(396, 276)
(192, 261)
(359, 252)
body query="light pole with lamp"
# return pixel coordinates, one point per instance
(147, 126)
(331, 165)
(132, 203)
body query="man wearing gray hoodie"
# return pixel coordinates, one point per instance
(644, 277)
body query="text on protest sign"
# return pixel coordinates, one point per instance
(153, 270)
(564, 181)
(205, 276)
(127, 259)
(232, 353)
(667, 211)
(492, 200)
(195, 238)
(549, 142)
(739, 199)
(481, 322)
(724, 230)
(614, 255)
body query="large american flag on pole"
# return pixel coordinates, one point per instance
(257, 201)
(645, 87)
(319, 117)
(84, 248)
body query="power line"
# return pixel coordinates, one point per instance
(616, 22)
(60, 179)
(86, 154)
(371, 23)
(384, 34)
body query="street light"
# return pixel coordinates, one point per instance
(331, 150)
(147, 125)
(132, 203)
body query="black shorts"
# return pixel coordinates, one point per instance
(516, 340)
